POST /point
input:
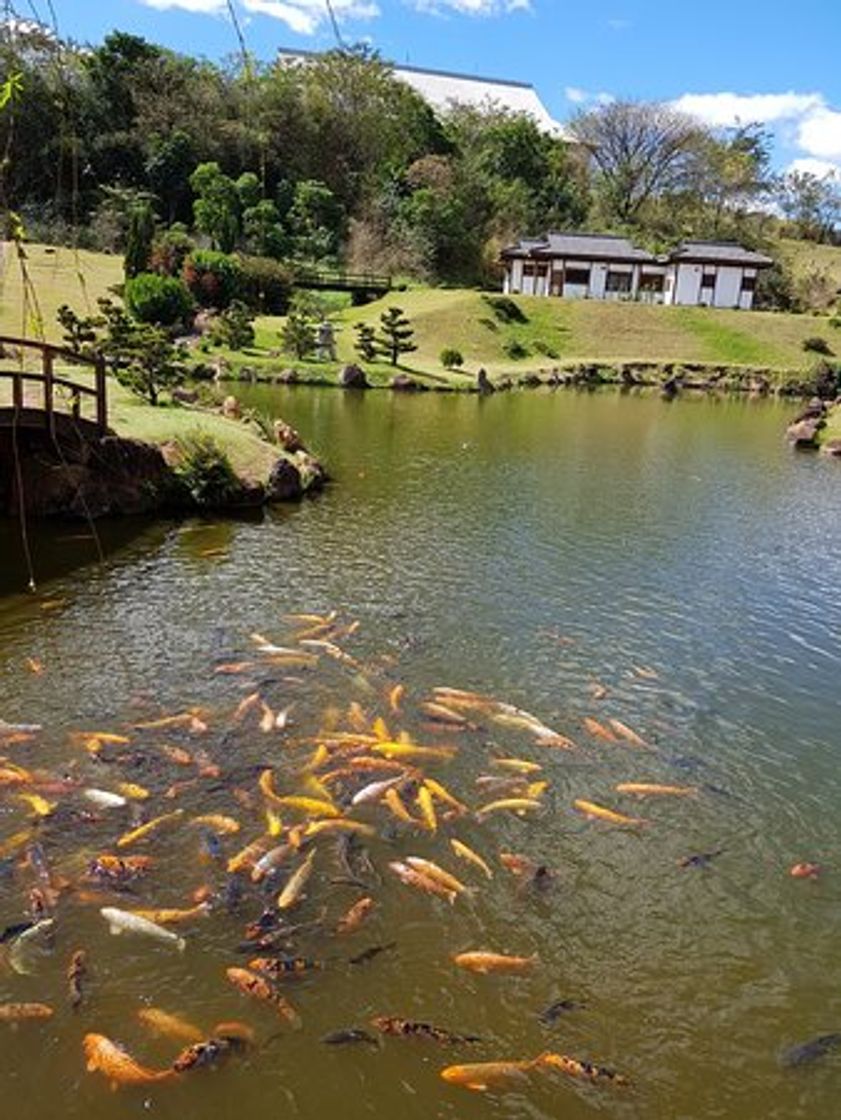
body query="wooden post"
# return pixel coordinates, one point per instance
(101, 397)
(47, 368)
(17, 392)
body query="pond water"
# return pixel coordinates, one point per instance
(671, 566)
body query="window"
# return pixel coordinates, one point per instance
(708, 280)
(528, 269)
(748, 283)
(651, 282)
(578, 276)
(618, 282)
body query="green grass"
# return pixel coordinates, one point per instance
(804, 257)
(58, 276)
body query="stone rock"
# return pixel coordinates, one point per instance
(832, 448)
(353, 377)
(203, 321)
(803, 434)
(504, 384)
(231, 408)
(403, 383)
(287, 437)
(670, 389)
(284, 482)
(482, 382)
(288, 377)
(531, 380)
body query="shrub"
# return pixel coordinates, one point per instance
(826, 380)
(163, 300)
(450, 358)
(505, 309)
(205, 471)
(170, 250)
(491, 324)
(817, 345)
(266, 285)
(515, 350)
(298, 335)
(234, 327)
(542, 347)
(213, 278)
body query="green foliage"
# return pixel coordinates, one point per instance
(217, 206)
(542, 347)
(141, 231)
(298, 335)
(170, 250)
(315, 221)
(396, 334)
(265, 285)
(817, 345)
(80, 333)
(152, 298)
(205, 471)
(775, 290)
(505, 309)
(451, 358)
(234, 327)
(515, 350)
(142, 356)
(214, 279)
(366, 342)
(826, 380)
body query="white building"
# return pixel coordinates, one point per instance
(601, 266)
(442, 90)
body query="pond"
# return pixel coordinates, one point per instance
(670, 566)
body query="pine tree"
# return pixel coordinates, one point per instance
(141, 232)
(396, 334)
(366, 342)
(298, 335)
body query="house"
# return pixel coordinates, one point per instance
(442, 89)
(602, 266)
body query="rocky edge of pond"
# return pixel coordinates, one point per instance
(670, 378)
(75, 475)
(807, 432)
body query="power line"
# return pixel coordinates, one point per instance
(335, 24)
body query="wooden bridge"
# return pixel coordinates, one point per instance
(40, 398)
(363, 286)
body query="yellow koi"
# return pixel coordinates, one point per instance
(39, 805)
(518, 765)
(511, 804)
(409, 750)
(438, 874)
(315, 828)
(427, 809)
(443, 794)
(291, 893)
(395, 697)
(653, 789)
(481, 1076)
(227, 826)
(248, 856)
(463, 852)
(394, 801)
(173, 917)
(484, 962)
(381, 731)
(627, 733)
(171, 1026)
(12, 843)
(310, 806)
(132, 791)
(129, 838)
(599, 812)
(274, 825)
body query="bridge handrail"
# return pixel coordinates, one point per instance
(49, 353)
(361, 279)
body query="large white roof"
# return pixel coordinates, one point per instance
(442, 89)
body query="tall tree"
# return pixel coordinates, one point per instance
(640, 150)
(216, 208)
(396, 334)
(811, 203)
(141, 233)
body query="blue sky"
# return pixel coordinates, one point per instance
(766, 60)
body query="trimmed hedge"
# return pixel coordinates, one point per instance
(161, 300)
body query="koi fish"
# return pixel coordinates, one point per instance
(485, 962)
(76, 972)
(283, 968)
(427, 809)
(209, 1052)
(599, 812)
(598, 730)
(444, 795)
(410, 750)
(108, 1058)
(409, 1028)
(421, 882)
(806, 1052)
(438, 874)
(806, 871)
(518, 765)
(172, 917)
(227, 826)
(440, 713)
(21, 1012)
(249, 855)
(582, 1070)
(178, 755)
(554, 1011)
(259, 988)
(395, 697)
(353, 919)
(375, 790)
(349, 1035)
(374, 951)
(14, 842)
(133, 791)
(21, 949)
(652, 789)
(232, 668)
(145, 830)
(395, 803)
(170, 1026)
(181, 719)
(35, 665)
(122, 921)
(39, 805)
(517, 805)
(103, 799)
(269, 861)
(463, 852)
(482, 1076)
(291, 893)
(627, 733)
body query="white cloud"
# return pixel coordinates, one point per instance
(720, 109)
(302, 16)
(583, 97)
(472, 7)
(820, 134)
(819, 167)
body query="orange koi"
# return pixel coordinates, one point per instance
(20, 1012)
(170, 1026)
(353, 919)
(598, 730)
(259, 988)
(108, 1058)
(147, 829)
(599, 812)
(484, 962)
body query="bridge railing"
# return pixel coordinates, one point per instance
(50, 381)
(348, 281)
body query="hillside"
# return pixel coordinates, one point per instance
(554, 332)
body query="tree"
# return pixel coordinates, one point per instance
(396, 334)
(143, 357)
(234, 328)
(315, 220)
(640, 150)
(297, 335)
(141, 232)
(216, 208)
(811, 203)
(366, 342)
